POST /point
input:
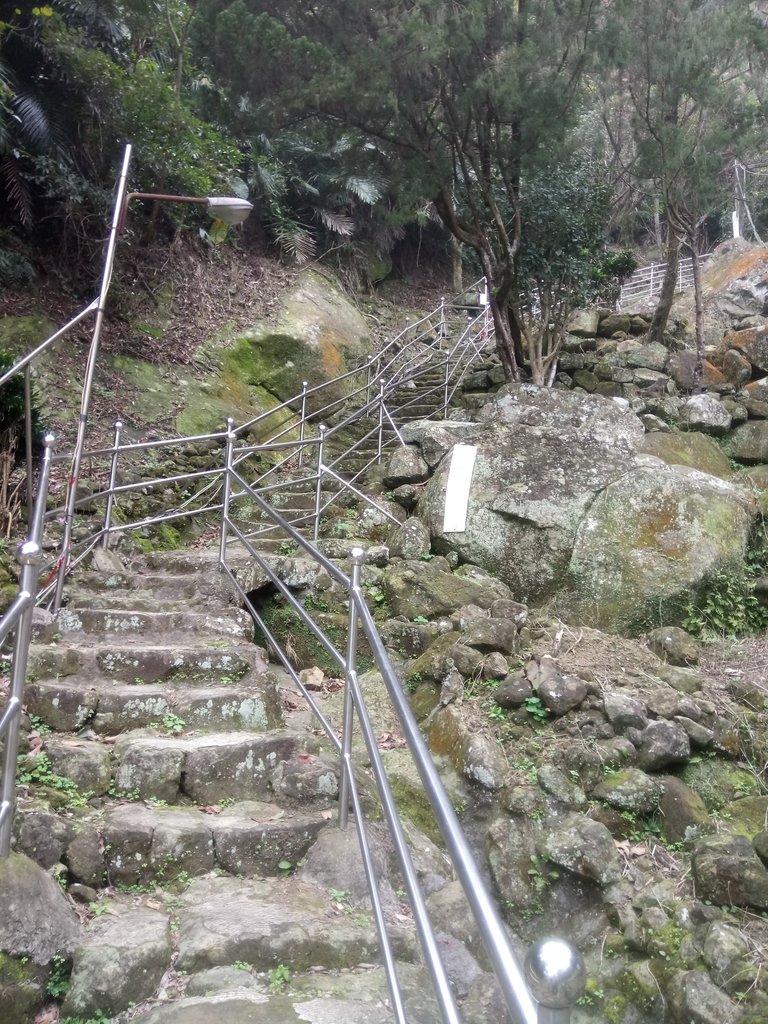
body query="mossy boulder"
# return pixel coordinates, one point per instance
(718, 781)
(692, 449)
(653, 536)
(316, 335)
(747, 815)
(563, 505)
(416, 588)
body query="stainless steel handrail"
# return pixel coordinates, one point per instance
(513, 978)
(19, 617)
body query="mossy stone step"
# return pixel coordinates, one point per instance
(109, 708)
(147, 663)
(225, 766)
(249, 838)
(268, 922)
(229, 622)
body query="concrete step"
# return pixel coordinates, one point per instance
(110, 708)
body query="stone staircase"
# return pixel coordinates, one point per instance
(182, 800)
(188, 802)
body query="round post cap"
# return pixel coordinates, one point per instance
(555, 973)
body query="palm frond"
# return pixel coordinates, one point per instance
(339, 223)
(295, 241)
(367, 190)
(16, 189)
(34, 124)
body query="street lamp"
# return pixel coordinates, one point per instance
(228, 209)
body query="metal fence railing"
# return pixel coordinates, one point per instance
(285, 448)
(646, 282)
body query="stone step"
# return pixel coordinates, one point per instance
(225, 766)
(179, 661)
(244, 839)
(109, 622)
(153, 587)
(275, 950)
(109, 708)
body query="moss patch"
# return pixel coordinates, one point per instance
(718, 782)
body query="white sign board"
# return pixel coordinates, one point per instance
(457, 488)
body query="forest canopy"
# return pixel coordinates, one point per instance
(526, 140)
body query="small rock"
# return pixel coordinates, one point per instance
(583, 847)
(513, 691)
(410, 540)
(723, 946)
(406, 495)
(120, 964)
(491, 634)
(506, 609)
(555, 782)
(683, 811)
(495, 666)
(684, 680)
(727, 871)
(673, 645)
(661, 744)
(760, 843)
(697, 1000)
(630, 790)
(625, 712)
(707, 414)
(561, 694)
(697, 733)
(725, 738)
(405, 466)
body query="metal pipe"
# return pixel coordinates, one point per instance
(89, 374)
(28, 440)
(357, 556)
(303, 421)
(31, 356)
(231, 438)
(112, 482)
(446, 1002)
(381, 422)
(484, 910)
(319, 487)
(29, 556)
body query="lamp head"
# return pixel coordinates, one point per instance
(229, 209)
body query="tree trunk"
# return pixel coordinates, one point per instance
(454, 249)
(668, 289)
(505, 343)
(698, 370)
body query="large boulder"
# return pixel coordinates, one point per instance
(563, 503)
(654, 534)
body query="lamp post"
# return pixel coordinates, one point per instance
(228, 209)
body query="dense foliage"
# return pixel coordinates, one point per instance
(528, 131)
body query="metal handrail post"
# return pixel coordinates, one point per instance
(446, 384)
(319, 487)
(381, 421)
(106, 279)
(28, 430)
(443, 332)
(357, 557)
(30, 556)
(369, 381)
(304, 386)
(555, 974)
(229, 457)
(112, 483)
